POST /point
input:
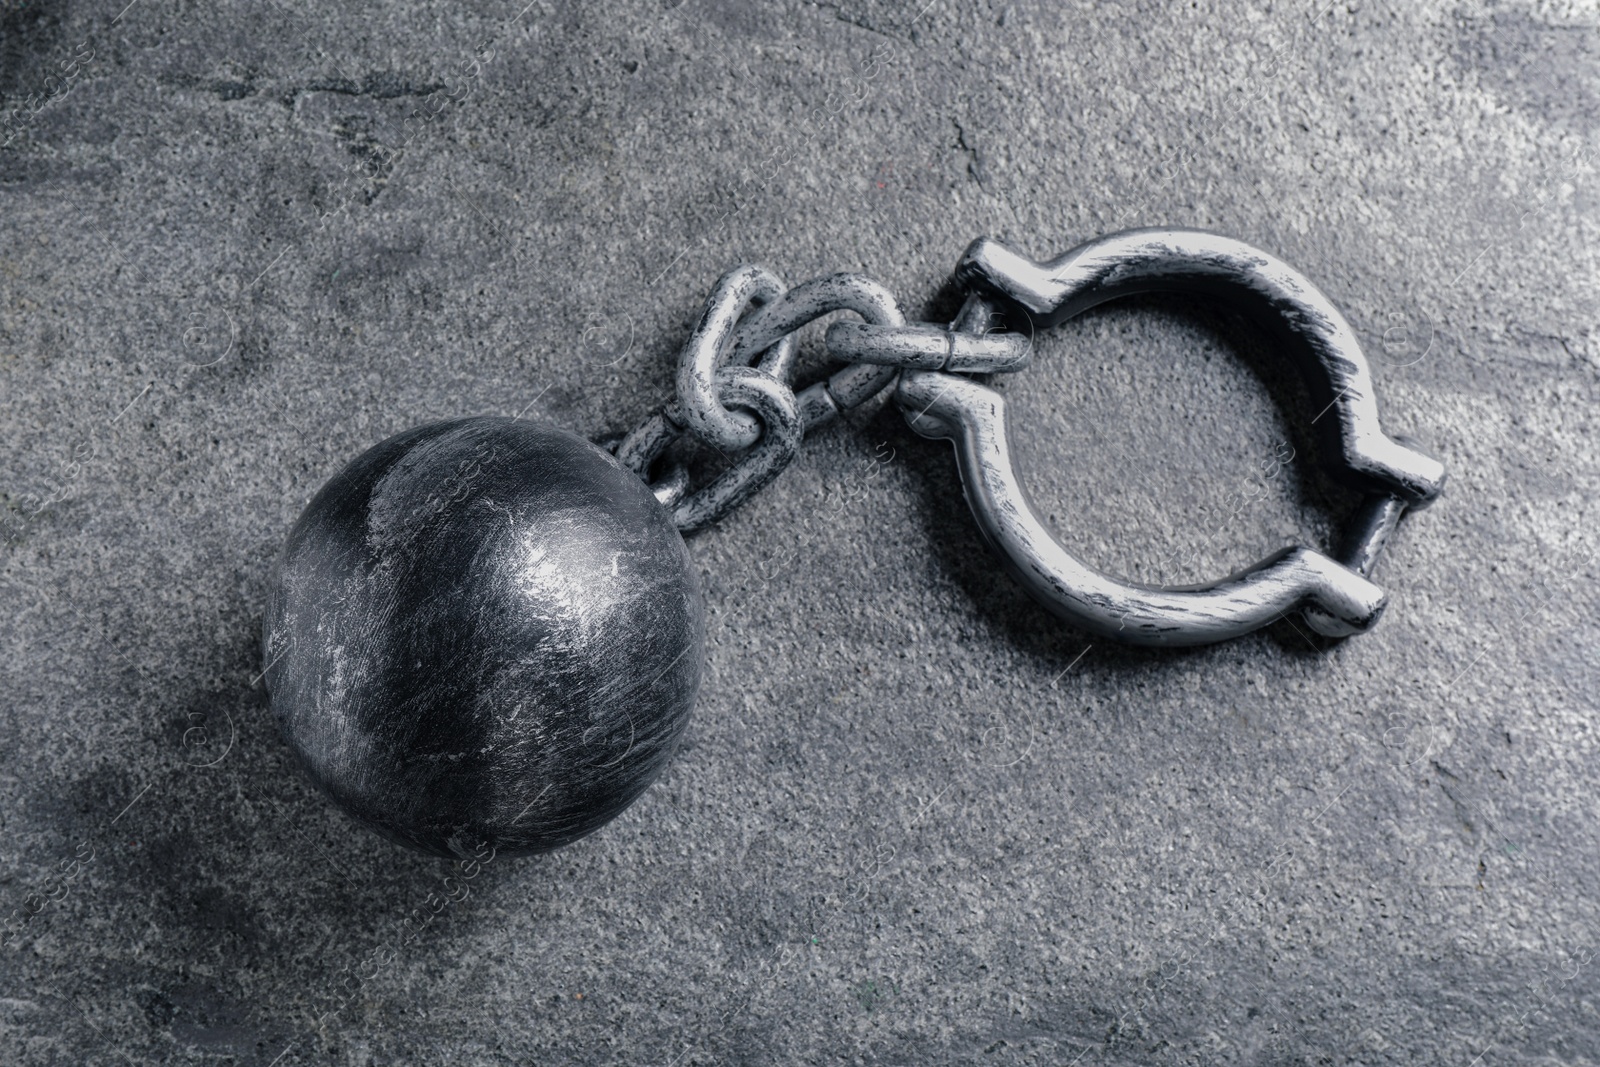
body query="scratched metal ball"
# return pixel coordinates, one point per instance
(484, 632)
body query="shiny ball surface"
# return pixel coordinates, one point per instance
(484, 632)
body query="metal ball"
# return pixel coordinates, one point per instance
(484, 632)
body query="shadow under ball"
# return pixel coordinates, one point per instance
(484, 632)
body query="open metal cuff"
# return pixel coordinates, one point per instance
(1335, 596)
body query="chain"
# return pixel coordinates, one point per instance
(735, 381)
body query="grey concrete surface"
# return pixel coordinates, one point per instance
(916, 821)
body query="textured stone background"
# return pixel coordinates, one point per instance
(916, 820)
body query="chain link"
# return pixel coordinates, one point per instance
(735, 377)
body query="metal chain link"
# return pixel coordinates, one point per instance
(732, 406)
